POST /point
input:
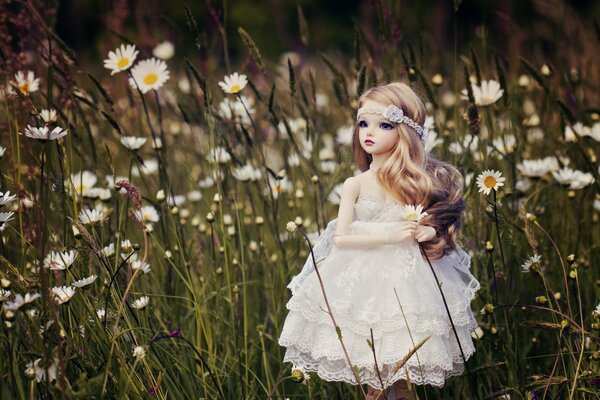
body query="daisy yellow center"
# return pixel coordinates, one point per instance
(24, 87)
(411, 215)
(234, 88)
(123, 62)
(150, 78)
(489, 181)
(81, 188)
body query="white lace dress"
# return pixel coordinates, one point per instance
(361, 285)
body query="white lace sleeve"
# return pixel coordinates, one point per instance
(320, 250)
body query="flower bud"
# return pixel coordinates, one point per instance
(160, 195)
(531, 218)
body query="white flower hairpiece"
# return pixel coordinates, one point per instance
(394, 114)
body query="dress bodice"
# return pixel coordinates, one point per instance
(376, 210)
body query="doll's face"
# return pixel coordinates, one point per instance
(377, 135)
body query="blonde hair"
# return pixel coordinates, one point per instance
(412, 175)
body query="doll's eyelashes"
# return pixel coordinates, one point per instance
(384, 125)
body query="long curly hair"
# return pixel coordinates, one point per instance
(413, 176)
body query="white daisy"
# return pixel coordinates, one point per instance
(146, 214)
(490, 179)
(57, 261)
(164, 50)
(63, 294)
(234, 83)
(6, 216)
(48, 116)
(109, 250)
(90, 216)
(42, 373)
(27, 84)
(299, 374)
(85, 281)
(149, 74)
(81, 182)
(142, 266)
(538, 167)
(132, 142)
(218, 155)
(533, 261)
(141, 302)
(2, 151)
(247, 173)
(239, 109)
(488, 93)
(21, 301)
(121, 59)
(412, 213)
(44, 133)
(4, 294)
(6, 198)
(139, 353)
(149, 167)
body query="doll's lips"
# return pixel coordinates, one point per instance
(369, 142)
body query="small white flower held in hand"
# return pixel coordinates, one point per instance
(150, 74)
(141, 302)
(121, 59)
(233, 83)
(412, 213)
(490, 179)
(132, 142)
(139, 353)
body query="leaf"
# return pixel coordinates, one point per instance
(253, 49)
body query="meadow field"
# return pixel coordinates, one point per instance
(146, 197)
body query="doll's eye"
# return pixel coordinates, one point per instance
(362, 124)
(386, 126)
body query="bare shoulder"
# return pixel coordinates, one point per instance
(351, 186)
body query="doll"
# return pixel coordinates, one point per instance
(372, 262)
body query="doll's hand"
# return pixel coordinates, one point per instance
(424, 233)
(401, 231)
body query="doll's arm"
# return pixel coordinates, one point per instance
(342, 237)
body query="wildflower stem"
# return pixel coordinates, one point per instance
(330, 313)
(561, 263)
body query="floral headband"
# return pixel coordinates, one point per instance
(394, 114)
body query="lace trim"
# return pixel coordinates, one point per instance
(437, 360)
